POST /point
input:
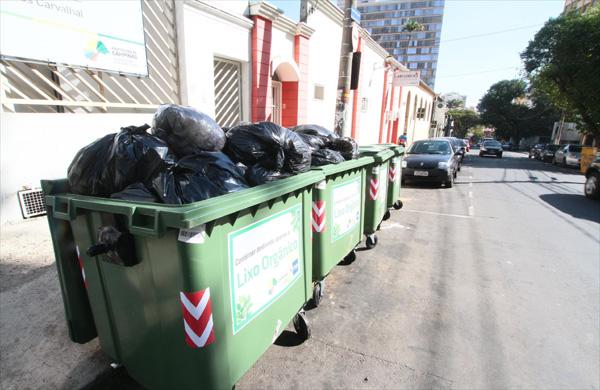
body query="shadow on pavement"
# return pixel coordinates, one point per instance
(116, 379)
(512, 160)
(518, 181)
(578, 206)
(288, 339)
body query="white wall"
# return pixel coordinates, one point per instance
(371, 88)
(417, 128)
(324, 59)
(282, 47)
(41, 146)
(201, 37)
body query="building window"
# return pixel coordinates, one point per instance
(319, 93)
(228, 92)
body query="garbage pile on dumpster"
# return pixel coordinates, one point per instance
(187, 157)
(210, 282)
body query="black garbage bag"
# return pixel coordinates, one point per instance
(258, 142)
(316, 130)
(347, 147)
(198, 177)
(315, 142)
(186, 130)
(325, 157)
(274, 147)
(113, 162)
(257, 175)
(136, 157)
(136, 192)
(87, 173)
(297, 153)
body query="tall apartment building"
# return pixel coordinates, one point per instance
(418, 50)
(580, 5)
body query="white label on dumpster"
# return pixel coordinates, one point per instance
(345, 208)
(195, 235)
(265, 258)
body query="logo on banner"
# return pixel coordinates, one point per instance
(80, 261)
(197, 318)
(318, 216)
(95, 48)
(374, 188)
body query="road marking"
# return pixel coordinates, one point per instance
(470, 194)
(471, 210)
(441, 214)
(470, 184)
(394, 225)
(470, 177)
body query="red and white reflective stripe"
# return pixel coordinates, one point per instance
(80, 261)
(197, 318)
(392, 173)
(374, 188)
(318, 216)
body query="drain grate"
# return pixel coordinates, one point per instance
(32, 203)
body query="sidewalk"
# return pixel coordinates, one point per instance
(35, 348)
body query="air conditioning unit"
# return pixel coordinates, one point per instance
(32, 202)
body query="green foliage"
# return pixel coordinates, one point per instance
(454, 103)
(563, 64)
(500, 108)
(463, 120)
(413, 25)
(478, 131)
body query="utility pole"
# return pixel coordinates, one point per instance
(343, 93)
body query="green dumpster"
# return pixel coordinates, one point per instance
(394, 177)
(185, 296)
(337, 217)
(375, 190)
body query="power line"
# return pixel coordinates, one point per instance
(480, 72)
(490, 33)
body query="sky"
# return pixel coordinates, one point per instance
(470, 66)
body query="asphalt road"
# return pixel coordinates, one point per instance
(491, 284)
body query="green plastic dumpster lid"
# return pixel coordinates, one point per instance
(151, 219)
(332, 169)
(397, 149)
(378, 152)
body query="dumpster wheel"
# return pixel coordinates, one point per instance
(318, 292)
(371, 241)
(398, 204)
(301, 325)
(387, 215)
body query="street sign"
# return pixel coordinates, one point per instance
(405, 79)
(355, 15)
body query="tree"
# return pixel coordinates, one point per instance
(563, 63)
(463, 121)
(514, 113)
(410, 27)
(454, 103)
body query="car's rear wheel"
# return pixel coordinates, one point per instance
(450, 182)
(564, 162)
(481, 154)
(591, 187)
(499, 155)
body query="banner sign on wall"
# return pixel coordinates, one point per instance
(102, 35)
(405, 79)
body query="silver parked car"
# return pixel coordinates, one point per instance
(569, 155)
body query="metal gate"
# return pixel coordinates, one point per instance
(228, 92)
